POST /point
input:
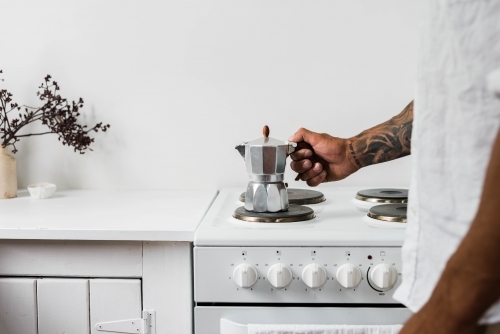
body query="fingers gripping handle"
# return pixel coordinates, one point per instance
(304, 145)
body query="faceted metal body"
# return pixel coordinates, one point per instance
(265, 160)
(266, 197)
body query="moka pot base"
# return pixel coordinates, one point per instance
(295, 213)
(299, 196)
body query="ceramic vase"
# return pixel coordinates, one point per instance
(8, 175)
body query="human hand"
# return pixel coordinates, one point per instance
(320, 157)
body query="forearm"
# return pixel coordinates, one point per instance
(384, 142)
(471, 280)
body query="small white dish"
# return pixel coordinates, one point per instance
(42, 190)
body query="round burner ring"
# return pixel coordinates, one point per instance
(300, 196)
(383, 195)
(295, 213)
(393, 213)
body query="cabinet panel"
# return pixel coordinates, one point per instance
(168, 284)
(56, 258)
(18, 306)
(63, 306)
(114, 300)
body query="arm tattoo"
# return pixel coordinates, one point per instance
(384, 142)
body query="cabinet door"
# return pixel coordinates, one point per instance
(114, 300)
(18, 306)
(63, 306)
(66, 305)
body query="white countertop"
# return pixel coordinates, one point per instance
(162, 215)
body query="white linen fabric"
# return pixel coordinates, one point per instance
(493, 82)
(457, 117)
(323, 329)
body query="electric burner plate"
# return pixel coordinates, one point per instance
(383, 195)
(300, 196)
(394, 213)
(295, 213)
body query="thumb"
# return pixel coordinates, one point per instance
(305, 135)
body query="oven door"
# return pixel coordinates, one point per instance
(234, 319)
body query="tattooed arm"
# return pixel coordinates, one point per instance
(384, 142)
(323, 158)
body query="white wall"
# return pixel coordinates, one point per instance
(183, 82)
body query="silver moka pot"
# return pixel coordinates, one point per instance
(265, 159)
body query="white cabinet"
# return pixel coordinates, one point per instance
(70, 306)
(97, 250)
(68, 287)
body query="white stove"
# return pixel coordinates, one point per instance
(333, 269)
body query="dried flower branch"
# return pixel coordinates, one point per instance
(56, 113)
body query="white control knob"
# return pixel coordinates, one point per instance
(383, 277)
(314, 275)
(245, 275)
(279, 275)
(348, 276)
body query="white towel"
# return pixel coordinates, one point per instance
(323, 329)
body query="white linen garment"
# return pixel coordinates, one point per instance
(456, 121)
(323, 329)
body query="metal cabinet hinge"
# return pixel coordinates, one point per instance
(144, 325)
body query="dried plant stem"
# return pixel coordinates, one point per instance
(56, 113)
(35, 134)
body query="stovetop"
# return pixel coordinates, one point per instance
(337, 223)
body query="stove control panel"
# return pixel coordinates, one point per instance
(296, 274)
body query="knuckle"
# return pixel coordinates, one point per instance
(303, 130)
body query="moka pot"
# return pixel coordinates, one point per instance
(265, 160)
